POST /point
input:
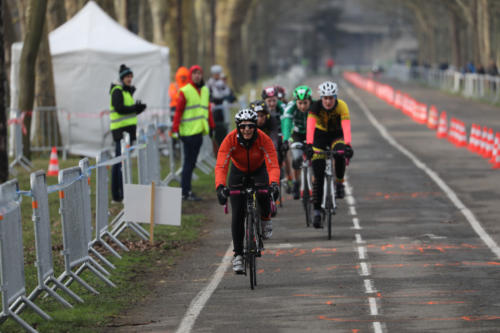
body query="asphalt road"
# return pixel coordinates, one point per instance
(403, 258)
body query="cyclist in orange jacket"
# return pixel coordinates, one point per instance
(252, 154)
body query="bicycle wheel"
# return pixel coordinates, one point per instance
(253, 277)
(306, 201)
(329, 218)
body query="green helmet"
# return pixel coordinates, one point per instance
(302, 93)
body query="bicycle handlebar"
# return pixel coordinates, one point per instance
(237, 192)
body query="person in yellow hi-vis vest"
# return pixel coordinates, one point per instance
(123, 119)
(192, 120)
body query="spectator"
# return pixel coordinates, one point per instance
(192, 120)
(181, 79)
(219, 92)
(123, 119)
(492, 68)
(470, 68)
(480, 69)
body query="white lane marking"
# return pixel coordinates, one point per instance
(377, 327)
(369, 289)
(359, 240)
(362, 252)
(350, 200)
(373, 306)
(352, 210)
(355, 221)
(365, 269)
(202, 297)
(282, 246)
(348, 188)
(471, 218)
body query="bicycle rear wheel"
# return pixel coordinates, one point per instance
(328, 213)
(253, 270)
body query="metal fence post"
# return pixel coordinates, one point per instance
(102, 213)
(18, 144)
(87, 213)
(13, 285)
(76, 245)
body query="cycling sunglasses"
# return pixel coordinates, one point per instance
(243, 126)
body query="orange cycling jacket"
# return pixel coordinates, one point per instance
(246, 160)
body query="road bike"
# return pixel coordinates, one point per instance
(305, 183)
(252, 242)
(328, 203)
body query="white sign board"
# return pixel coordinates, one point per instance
(137, 203)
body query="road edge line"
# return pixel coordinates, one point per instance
(203, 296)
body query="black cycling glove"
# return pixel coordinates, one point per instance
(349, 153)
(309, 151)
(275, 190)
(222, 194)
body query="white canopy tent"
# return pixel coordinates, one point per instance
(86, 54)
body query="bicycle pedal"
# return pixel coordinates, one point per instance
(240, 273)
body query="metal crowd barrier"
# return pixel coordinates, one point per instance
(12, 257)
(76, 237)
(473, 85)
(76, 220)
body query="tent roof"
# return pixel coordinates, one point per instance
(93, 30)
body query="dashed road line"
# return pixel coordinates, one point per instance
(359, 240)
(352, 210)
(369, 289)
(365, 269)
(377, 327)
(373, 306)
(362, 252)
(355, 222)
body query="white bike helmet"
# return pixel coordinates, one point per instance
(216, 69)
(327, 88)
(245, 115)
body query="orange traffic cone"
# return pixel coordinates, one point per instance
(495, 151)
(462, 134)
(489, 144)
(432, 122)
(53, 163)
(496, 163)
(473, 138)
(452, 131)
(442, 126)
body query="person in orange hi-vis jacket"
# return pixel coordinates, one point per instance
(181, 79)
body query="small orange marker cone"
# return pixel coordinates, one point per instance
(53, 163)
(432, 121)
(442, 127)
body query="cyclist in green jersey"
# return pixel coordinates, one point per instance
(294, 122)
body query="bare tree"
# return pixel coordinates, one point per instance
(4, 159)
(34, 27)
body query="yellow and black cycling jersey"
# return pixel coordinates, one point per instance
(329, 121)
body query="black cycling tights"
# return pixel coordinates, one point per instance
(318, 166)
(238, 202)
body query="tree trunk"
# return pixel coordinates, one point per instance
(229, 15)
(34, 28)
(158, 13)
(47, 127)
(56, 14)
(456, 59)
(4, 159)
(72, 7)
(173, 35)
(484, 32)
(121, 12)
(108, 6)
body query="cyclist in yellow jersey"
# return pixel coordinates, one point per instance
(328, 125)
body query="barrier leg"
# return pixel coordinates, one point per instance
(115, 240)
(24, 324)
(140, 229)
(66, 290)
(99, 267)
(102, 258)
(82, 282)
(57, 297)
(35, 308)
(100, 276)
(106, 246)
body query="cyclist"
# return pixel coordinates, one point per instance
(294, 129)
(275, 109)
(252, 154)
(266, 123)
(281, 93)
(328, 125)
